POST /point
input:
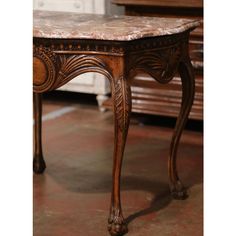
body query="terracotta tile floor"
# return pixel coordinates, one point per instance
(72, 197)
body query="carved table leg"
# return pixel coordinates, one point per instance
(122, 107)
(188, 86)
(38, 162)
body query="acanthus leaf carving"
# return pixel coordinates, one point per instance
(122, 102)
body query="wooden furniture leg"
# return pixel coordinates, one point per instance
(122, 106)
(178, 191)
(38, 162)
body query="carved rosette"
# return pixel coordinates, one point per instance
(122, 103)
(44, 69)
(161, 64)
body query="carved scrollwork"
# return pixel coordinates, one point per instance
(161, 64)
(72, 66)
(122, 103)
(44, 69)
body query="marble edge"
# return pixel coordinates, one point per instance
(38, 34)
(188, 26)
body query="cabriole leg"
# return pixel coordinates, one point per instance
(38, 162)
(122, 106)
(178, 191)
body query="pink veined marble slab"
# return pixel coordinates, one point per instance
(65, 25)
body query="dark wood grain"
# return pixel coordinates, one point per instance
(188, 87)
(38, 162)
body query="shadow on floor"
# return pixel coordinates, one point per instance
(87, 181)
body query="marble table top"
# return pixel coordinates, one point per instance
(65, 25)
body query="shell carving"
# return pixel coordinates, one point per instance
(72, 66)
(160, 64)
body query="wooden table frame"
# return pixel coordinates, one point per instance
(57, 61)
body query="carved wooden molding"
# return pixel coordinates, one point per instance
(74, 46)
(72, 66)
(105, 47)
(52, 70)
(161, 64)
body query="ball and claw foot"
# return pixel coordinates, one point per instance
(38, 165)
(178, 191)
(117, 226)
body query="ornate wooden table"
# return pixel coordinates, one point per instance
(68, 44)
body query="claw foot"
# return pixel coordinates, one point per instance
(116, 224)
(38, 165)
(178, 191)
